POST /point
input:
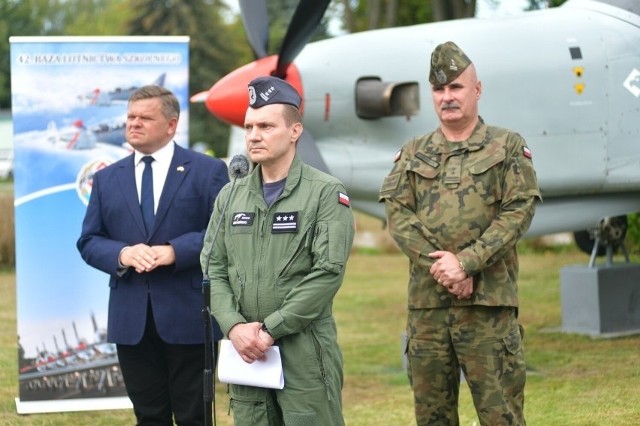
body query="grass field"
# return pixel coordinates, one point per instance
(572, 380)
(6, 186)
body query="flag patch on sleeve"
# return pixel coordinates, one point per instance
(343, 199)
(527, 152)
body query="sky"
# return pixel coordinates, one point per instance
(484, 9)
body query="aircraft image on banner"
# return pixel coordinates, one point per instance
(112, 131)
(88, 368)
(565, 78)
(75, 136)
(100, 97)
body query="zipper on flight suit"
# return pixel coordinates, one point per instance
(241, 295)
(323, 372)
(264, 215)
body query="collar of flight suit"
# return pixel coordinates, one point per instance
(293, 177)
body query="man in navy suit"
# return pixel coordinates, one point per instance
(145, 228)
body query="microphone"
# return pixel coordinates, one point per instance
(238, 167)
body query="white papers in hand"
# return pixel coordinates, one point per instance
(265, 373)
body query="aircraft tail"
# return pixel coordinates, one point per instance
(160, 80)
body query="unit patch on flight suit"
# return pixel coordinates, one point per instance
(284, 222)
(243, 219)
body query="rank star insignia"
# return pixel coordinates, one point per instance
(284, 222)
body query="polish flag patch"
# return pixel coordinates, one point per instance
(527, 152)
(343, 199)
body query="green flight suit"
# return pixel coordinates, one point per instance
(476, 199)
(282, 265)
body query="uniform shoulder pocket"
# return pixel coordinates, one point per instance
(389, 185)
(330, 245)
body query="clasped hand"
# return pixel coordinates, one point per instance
(144, 258)
(250, 341)
(448, 273)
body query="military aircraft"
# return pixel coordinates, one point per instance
(100, 97)
(566, 78)
(87, 369)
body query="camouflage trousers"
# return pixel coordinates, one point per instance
(486, 343)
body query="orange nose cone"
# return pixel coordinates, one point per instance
(228, 99)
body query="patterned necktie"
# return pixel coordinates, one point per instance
(146, 197)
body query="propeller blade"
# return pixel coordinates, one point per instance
(256, 25)
(309, 152)
(304, 23)
(199, 97)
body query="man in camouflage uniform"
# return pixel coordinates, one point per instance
(278, 262)
(457, 201)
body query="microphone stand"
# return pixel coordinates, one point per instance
(209, 349)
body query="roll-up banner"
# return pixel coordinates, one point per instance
(69, 107)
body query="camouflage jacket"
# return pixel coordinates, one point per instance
(474, 198)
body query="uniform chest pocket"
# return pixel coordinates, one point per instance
(241, 230)
(424, 170)
(300, 260)
(486, 175)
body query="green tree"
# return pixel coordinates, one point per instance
(210, 55)
(55, 17)
(444, 10)
(23, 18)
(540, 4)
(280, 13)
(96, 17)
(632, 242)
(362, 15)
(365, 15)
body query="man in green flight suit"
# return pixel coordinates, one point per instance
(457, 201)
(278, 261)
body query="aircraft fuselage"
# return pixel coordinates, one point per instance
(567, 79)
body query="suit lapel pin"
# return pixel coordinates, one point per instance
(180, 169)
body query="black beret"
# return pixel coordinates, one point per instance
(272, 90)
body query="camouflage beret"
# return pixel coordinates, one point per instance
(448, 61)
(272, 90)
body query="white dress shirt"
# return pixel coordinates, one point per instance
(160, 166)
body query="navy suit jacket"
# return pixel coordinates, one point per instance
(114, 220)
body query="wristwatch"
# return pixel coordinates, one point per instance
(265, 329)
